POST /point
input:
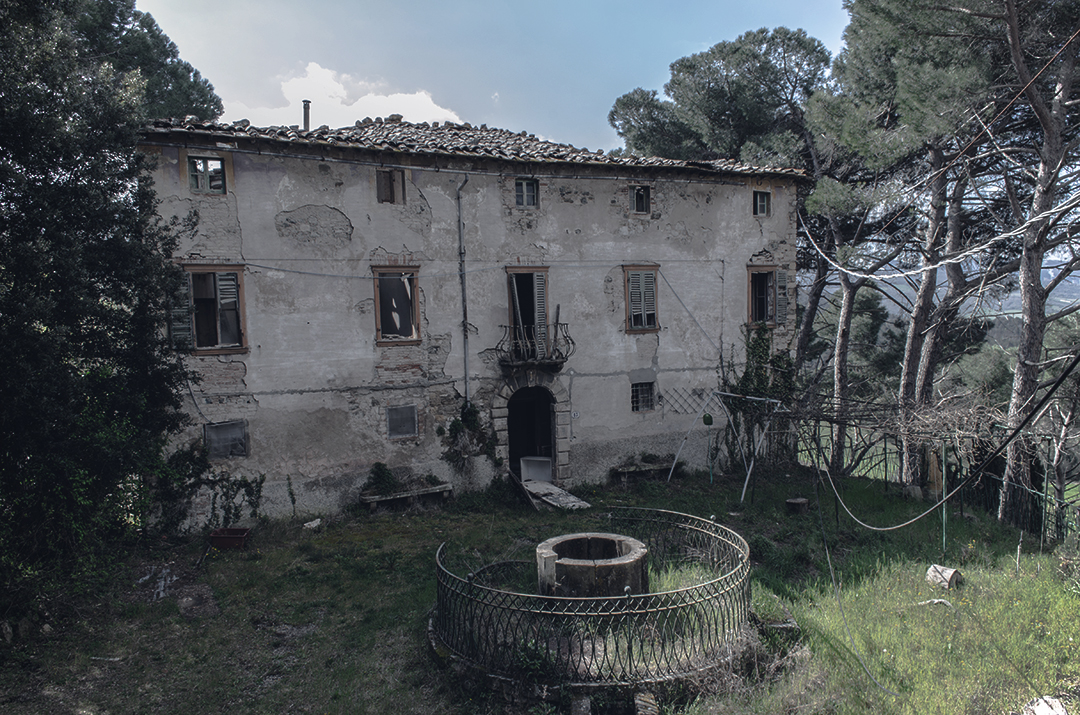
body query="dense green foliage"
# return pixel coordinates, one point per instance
(88, 385)
(741, 96)
(114, 31)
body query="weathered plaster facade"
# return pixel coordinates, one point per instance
(301, 226)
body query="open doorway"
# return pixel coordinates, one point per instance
(530, 431)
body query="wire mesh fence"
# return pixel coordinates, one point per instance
(487, 618)
(874, 454)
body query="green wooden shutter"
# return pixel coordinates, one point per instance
(781, 297)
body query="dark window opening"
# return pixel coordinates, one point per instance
(642, 396)
(214, 321)
(395, 293)
(639, 199)
(206, 176)
(528, 314)
(390, 186)
(762, 296)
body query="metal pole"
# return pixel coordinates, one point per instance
(944, 502)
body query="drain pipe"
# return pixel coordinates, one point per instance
(464, 300)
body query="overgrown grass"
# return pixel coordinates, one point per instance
(334, 621)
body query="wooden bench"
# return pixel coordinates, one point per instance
(413, 495)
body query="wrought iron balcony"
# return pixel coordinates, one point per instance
(542, 346)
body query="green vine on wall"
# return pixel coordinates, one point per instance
(468, 437)
(766, 374)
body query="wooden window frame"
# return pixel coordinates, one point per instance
(762, 203)
(184, 323)
(200, 175)
(390, 186)
(639, 306)
(382, 273)
(521, 193)
(775, 296)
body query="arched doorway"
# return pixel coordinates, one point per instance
(530, 430)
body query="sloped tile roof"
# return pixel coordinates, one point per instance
(448, 139)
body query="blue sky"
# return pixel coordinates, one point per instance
(552, 68)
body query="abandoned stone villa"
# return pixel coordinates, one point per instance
(350, 289)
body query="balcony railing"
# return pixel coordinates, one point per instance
(545, 346)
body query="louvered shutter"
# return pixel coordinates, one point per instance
(781, 298)
(228, 295)
(633, 279)
(180, 332)
(648, 298)
(540, 312)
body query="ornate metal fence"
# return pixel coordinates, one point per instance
(603, 641)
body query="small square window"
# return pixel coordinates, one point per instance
(390, 186)
(643, 396)
(639, 200)
(226, 439)
(762, 203)
(401, 421)
(206, 176)
(527, 192)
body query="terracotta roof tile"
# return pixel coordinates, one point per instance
(448, 138)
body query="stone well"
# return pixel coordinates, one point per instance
(592, 565)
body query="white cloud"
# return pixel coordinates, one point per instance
(338, 100)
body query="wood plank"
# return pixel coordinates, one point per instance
(553, 495)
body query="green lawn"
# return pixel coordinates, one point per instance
(334, 621)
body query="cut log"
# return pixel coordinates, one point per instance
(944, 576)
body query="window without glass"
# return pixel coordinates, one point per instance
(397, 316)
(528, 312)
(226, 439)
(210, 314)
(206, 175)
(641, 298)
(768, 296)
(762, 201)
(527, 192)
(401, 421)
(390, 186)
(642, 396)
(639, 199)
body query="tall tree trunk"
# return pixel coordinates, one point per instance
(920, 318)
(1053, 119)
(848, 289)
